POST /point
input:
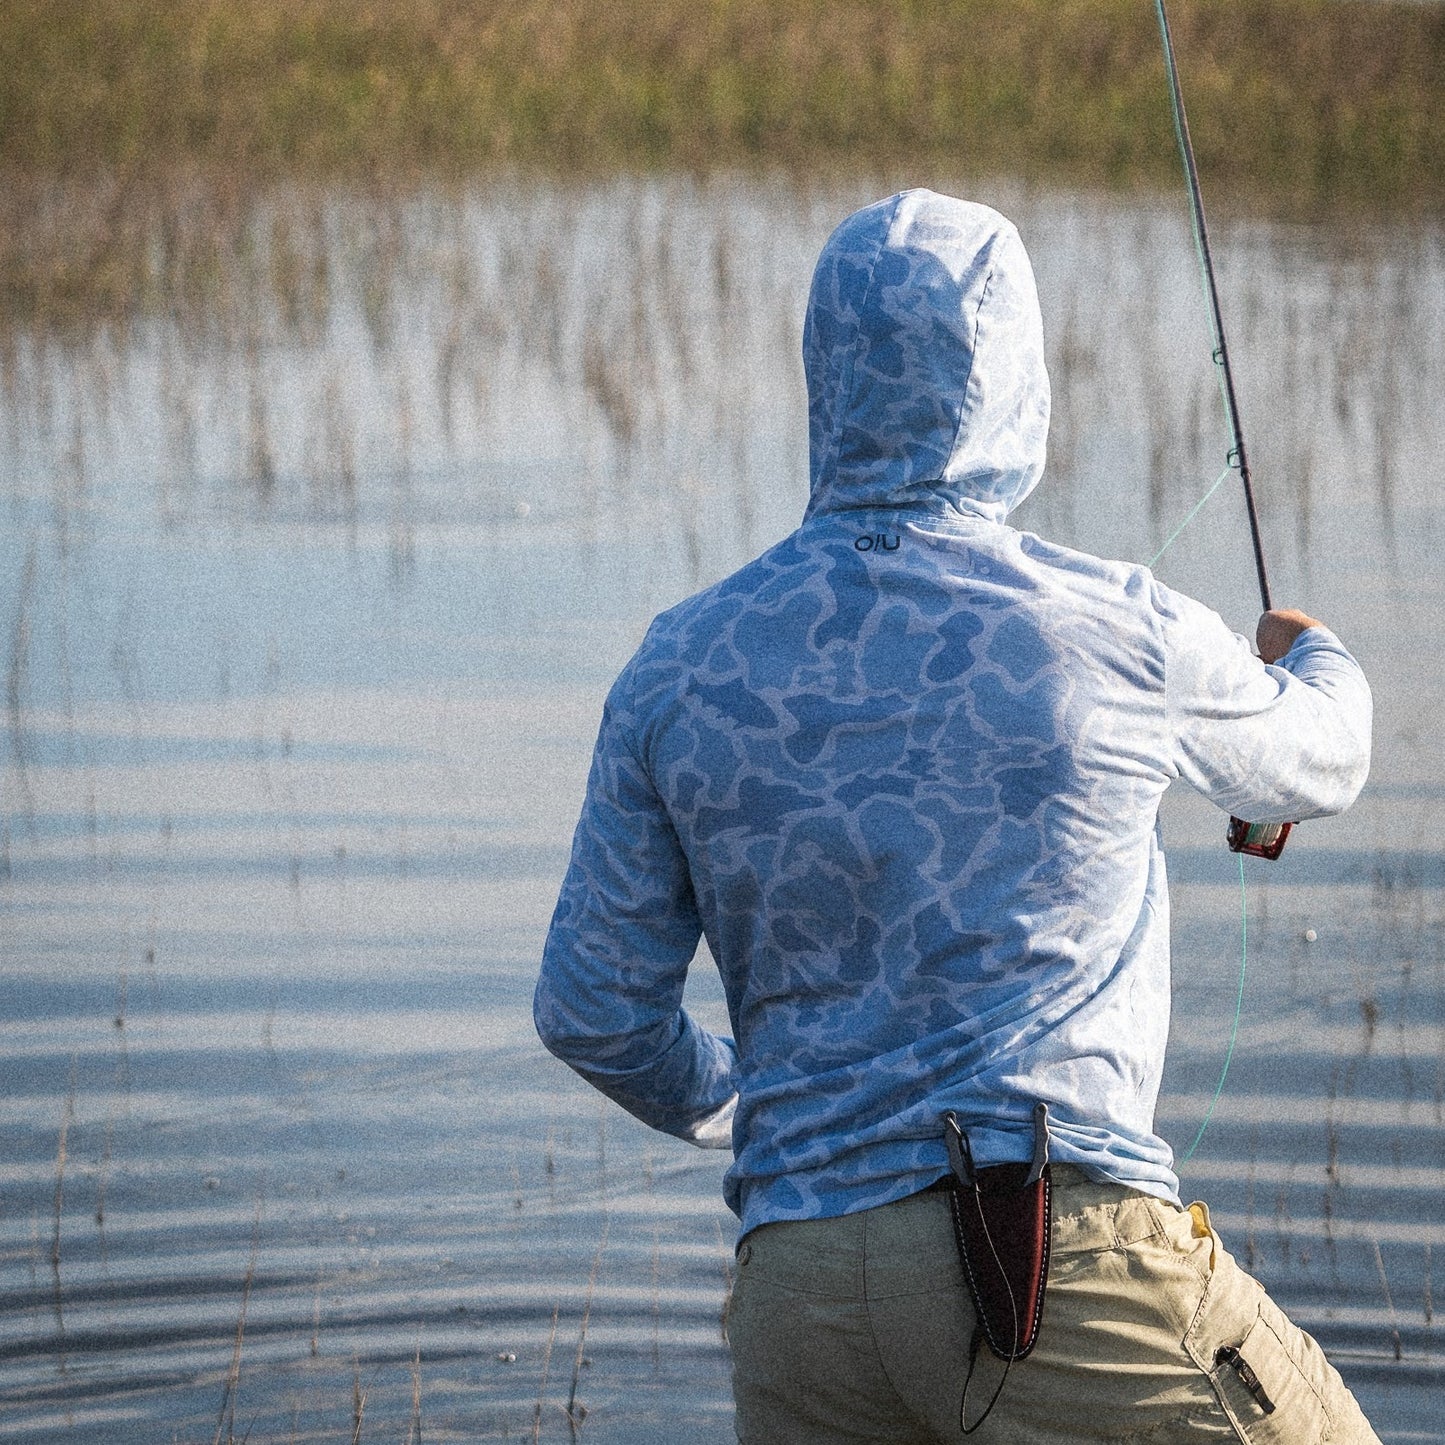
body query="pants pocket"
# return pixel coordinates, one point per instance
(1271, 1379)
(1264, 1383)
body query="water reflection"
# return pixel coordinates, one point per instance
(397, 361)
(327, 517)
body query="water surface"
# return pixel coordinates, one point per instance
(320, 547)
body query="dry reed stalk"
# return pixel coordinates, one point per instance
(413, 1432)
(122, 1077)
(226, 1417)
(656, 1300)
(106, 1150)
(1390, 1303)
(61, 1153)
(16, 684)
(546, 1368)
(577, 1413)
(316, 1319)
(358, 1404)
(67, 1118)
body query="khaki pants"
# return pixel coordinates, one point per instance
(858, 1330)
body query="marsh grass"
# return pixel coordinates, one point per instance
(1312, 96)
(75, 250)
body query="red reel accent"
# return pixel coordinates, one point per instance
(1257, 840)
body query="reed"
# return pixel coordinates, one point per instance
(576, 1411)
(413, 1430)
(226, 1416)
(1317, 96)
(358, 1405)
(61, 1155)
(1389, 1303)
(546, 1370)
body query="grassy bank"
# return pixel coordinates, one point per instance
(1307, 96)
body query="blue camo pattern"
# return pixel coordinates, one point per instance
(903, 771)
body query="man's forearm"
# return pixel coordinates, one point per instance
(670, 1073)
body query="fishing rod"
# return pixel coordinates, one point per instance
(1262, 840)
(1238, 458)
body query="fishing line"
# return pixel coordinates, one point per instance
(1198, 506)
(1188, 1154)
(1267, 840)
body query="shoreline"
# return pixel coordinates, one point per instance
(1312, 100)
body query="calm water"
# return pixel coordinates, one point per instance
(318, 549)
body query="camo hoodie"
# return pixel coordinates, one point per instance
(902, 773)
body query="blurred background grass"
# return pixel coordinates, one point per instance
(1300, 99)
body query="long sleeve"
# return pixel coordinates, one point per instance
(609, 998)
(1274, 743)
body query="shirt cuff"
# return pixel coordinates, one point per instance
(716, 1130)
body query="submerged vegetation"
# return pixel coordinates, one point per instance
(1305, 97)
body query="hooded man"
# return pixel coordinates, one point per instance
(903, 773)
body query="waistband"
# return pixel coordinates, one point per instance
(1089, 1216)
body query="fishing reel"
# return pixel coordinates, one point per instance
(1257, 840)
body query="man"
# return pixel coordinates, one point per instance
(903, 772)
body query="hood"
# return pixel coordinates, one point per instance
(923, 349)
